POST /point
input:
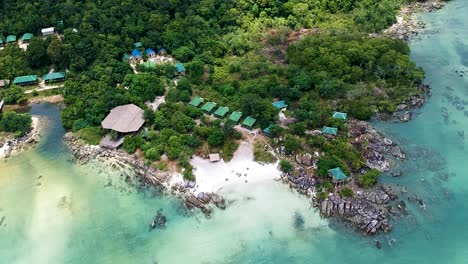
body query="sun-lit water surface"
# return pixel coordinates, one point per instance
(56, 212)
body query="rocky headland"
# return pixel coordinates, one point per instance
(148, 176)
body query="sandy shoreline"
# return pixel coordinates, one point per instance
(11, 145)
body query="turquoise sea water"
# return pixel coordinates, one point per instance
(56, 212)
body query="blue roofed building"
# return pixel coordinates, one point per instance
(136, 54)
(150, 53)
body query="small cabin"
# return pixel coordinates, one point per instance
(150, 53)
(337, 175)
(280, 105)
(10, 39)
(196, 101)
(214, 157)
(27, 37)
(48, 31)
(221, 111)
(249, 122)
(209, 107)
(136, 55)
(340, 115)
(331, 131)
(235, 116)
(1, 43)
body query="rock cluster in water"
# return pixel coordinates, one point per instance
(84, 153)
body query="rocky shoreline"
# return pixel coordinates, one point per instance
(148, 176)
(407, 26)
(11, 145)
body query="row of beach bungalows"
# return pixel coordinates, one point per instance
(222, 112)
(33, 79)
(10, 39)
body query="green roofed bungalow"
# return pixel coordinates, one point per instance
(196, 101)
(221, 111)
(330, 130)
(337, 175)
(54, 77)
(340, 115)
(125, 57)
(11, 39)
(27, 37)
(208, 107)
(235, 116)
(249, 122)
(25, 80)
(138, 44)
(1, 42)
(280, 104)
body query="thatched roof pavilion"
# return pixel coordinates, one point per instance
(124, 119)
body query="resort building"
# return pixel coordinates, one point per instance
(340, 115)
(125, 57)
(221, 111)
(150, 53)
(337, 175)
(54, 77)
(27, 37)
(280, 105)
(249, 122)
(10, 39)
(48, 31)
(196, 101)
(122, 119)
(136, 55)
(235, 116)
(1, 43)
(138, 44)
(209, 107)
(215, 157)
(180, 69)
(332, 131)
(25, 80)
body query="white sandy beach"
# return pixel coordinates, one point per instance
(236, 174)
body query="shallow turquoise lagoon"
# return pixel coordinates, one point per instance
(56, 212)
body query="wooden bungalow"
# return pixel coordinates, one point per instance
(337, 175)
(196, 101)
(54, 77)
(11, 39)
(27, 37)
(25, 80)
(235, 116)
(209, 107)
(221, 111)
(249, 122)
(214, 157)
(48, 31)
